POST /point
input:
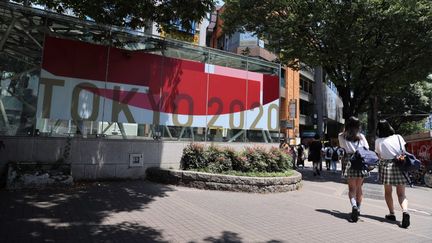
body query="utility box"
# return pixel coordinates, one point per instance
(136, 160)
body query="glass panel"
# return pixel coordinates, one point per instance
(187, 52)
(182, 133)
(227, 100)
(18, 98)
(20, 58)
(263, 113)
(104, 80)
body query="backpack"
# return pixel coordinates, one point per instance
(329, 153)
(335, 155)
(363, 159)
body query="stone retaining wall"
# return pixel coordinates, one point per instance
(225, 182)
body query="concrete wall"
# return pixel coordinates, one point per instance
(98, 158)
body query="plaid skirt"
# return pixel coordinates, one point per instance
(351, 173)
(390, 174)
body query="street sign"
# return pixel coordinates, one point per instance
(292, 108)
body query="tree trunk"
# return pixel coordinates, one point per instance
(372, 121)
(345, 94)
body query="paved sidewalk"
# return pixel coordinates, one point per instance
(140, 211)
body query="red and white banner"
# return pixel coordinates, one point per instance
(83, 81)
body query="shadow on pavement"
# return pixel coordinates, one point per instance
(380, 219)
(336, 213)
(229, 237)
(307, 175)
(79, 213)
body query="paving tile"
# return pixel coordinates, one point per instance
(140, 211)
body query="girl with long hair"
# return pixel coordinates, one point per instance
(350, 139)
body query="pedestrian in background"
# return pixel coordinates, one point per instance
(328, 151)
(300, 155)
(293, 152)
(388, 146)
(334, 158)
(315, 154)
(350, 139)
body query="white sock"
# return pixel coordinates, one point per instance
(353, 202)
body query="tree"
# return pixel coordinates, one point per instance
(366, 47)
(132, 13)
(407, 106)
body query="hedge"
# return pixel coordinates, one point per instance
(216, 159)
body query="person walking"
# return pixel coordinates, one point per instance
(315, 148)
(350, 139)
(293, 152)
(388, 146)
(300, 155)
(334, 158)
(328, 152)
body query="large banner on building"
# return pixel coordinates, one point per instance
(83, 81)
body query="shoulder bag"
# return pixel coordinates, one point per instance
(406, 161)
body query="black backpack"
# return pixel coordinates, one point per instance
(329, 153)
(335, 155)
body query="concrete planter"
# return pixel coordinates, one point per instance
(26, 175)
(225, 182)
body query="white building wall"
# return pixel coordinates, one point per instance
(97, 158)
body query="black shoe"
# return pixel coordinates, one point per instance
(314, 174)
(405, 220)
(354, 214)
(390, 217)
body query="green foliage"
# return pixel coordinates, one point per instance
(226, 160)
(411, 127)
(365, 47)
(193, 157)
(283, 159)
(217, 160)
(240, 163)
(132, 13)
(406, 106)
(257, 158)
(261, 174)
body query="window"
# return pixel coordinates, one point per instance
(306, 85)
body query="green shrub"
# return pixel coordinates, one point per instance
(257, 159)
(218, 160)
(193, 157)
(225, 160)
(238, 160)
(283, 158)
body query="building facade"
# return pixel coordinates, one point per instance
(66, 87)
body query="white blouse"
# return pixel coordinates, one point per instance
(388, 147)
(350, 147)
